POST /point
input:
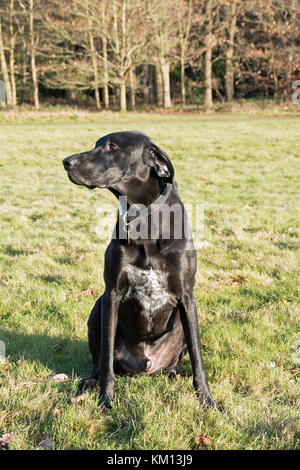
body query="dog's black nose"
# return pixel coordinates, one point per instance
(68, 163)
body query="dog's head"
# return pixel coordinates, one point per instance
(119, 158)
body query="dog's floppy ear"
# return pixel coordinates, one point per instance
(159, 160)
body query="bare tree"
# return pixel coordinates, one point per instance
(4, 68)
(22, 47)
(163, 29)
(90, 15)
(232, 8)
(104, 54)
(116, 28)
(111, 45)
(210, 42)
(69, 56)
(8, 71)
(127, 40)
(184, 20)
(12, 34)
(33, 45)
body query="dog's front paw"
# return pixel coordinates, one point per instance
(207, 402)
(105, 400)
(205, 399)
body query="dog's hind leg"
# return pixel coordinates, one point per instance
(171, 370)
(94, 337)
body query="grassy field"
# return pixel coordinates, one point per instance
(245, 170)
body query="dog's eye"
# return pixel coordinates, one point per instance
(112, 146)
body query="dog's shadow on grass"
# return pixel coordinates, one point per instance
(56, 353)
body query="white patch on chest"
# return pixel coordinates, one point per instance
(149, 288)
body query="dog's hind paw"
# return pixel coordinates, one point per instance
(172, 373)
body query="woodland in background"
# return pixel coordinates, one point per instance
(119, 54)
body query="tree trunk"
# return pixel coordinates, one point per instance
(229, 80)
(145, 82)
(184, 28)
(275, 84)
(104, 55)
(159, 85)
(289, 73)
(132, 88)
(290, 66)
(123, 106)
(105, 73)
(32, 52)
(70, 96)
(151, 74)
(24, 70)
(21, 28)
(208, 101)
(4, 70)
(182, 79)
(95, 70)
(93, 56)
(165, 72)
(13, 80)
(12, 54)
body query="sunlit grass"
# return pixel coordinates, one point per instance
(246, 173)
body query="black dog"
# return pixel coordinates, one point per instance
(146, 320)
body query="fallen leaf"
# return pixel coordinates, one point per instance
(59, 377)
(5, 439)
(46, 443)
(56, 412)
(202, 441)
(78, 398)
(85, 293)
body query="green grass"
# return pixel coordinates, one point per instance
(246, 173)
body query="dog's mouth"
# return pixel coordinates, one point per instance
(83, 182)
(79, 182)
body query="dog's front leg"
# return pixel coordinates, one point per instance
(109, 316)
(189, 319)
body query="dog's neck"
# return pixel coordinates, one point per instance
(153, 194)
(138, 192)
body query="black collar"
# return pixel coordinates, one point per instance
(137, 210)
